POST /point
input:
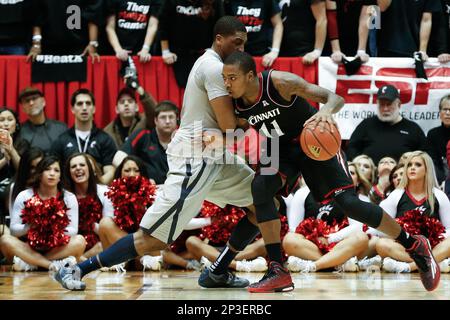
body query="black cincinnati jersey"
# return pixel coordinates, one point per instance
(407, 202)
(273, 116)
(326, 210)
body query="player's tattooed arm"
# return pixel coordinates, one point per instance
(289, 85)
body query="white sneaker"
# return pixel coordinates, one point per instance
(152, 263)
(20, 265)
(256, 265)
(66, 262)
(394, 266)
(445, 265)
(117, 268)
(295, 264)
(370, 264)
(351, 265)
(205, 263)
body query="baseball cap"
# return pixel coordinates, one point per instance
(127, 91)
(29, 91)
(388, 92)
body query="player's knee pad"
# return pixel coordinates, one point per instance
(359, 210)
(265, 187)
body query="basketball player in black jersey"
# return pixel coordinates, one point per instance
(274, 102)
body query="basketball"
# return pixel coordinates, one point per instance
(318, 145)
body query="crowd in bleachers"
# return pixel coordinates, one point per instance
(91, 173)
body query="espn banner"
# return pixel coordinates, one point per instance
(419, 97)
(54, 68)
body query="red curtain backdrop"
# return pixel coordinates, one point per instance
(104, 81)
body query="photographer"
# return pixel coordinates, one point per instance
(128, 119)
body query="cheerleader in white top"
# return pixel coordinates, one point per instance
(44, 223)
(421, 208)
(93, 205)
(321, 236)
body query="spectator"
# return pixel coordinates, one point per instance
(440, 33)
(262, 19)
(348, 28)
(39, 131)
(81, 180)
(387, 133)
(305, 29)
(406, 27)
(53, 35)
(186, 30)
(417, 191)
(29, 247)
(394, 179)
(15, 26)
(131, 27)
(85, 137)
(128, 119)
(11, 149)
(437, 139)
(384, 168)
(151, 145)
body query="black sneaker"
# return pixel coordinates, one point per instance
(429, 270)
(208, 279)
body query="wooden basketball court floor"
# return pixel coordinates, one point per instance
(182, 285)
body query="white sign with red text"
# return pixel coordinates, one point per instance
(419, 97)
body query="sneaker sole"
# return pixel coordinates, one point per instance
(438, 269)
(280, 289)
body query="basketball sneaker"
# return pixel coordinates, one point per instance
(296, 264)
(20, 265)
(256, 265)
(351, 265)
(151, 262)
(66, 262)
(444, 265)
(276, 279)
(70, 278)
(208, 279)
(429, 270)
(370, 264)
(394, 266)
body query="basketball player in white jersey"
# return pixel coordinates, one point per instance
(192, 177)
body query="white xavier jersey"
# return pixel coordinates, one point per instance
(205, 83)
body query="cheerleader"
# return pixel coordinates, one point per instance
(337, 245)
(384, 168)
(93, 205)
(417, 201)
(366, 166)
(34, 240)
(394, 179)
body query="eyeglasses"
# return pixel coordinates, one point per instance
(445, 110)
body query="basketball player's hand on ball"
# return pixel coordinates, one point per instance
(322, 119)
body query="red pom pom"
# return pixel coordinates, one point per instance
(90, 212)
(130, 196)
(48, 221)
(224, 221)
(415, 223)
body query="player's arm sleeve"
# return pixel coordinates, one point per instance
(72, 213)
(390, 206)
(198, 223)
(444, 210)
(296, 211)
(18, 228)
